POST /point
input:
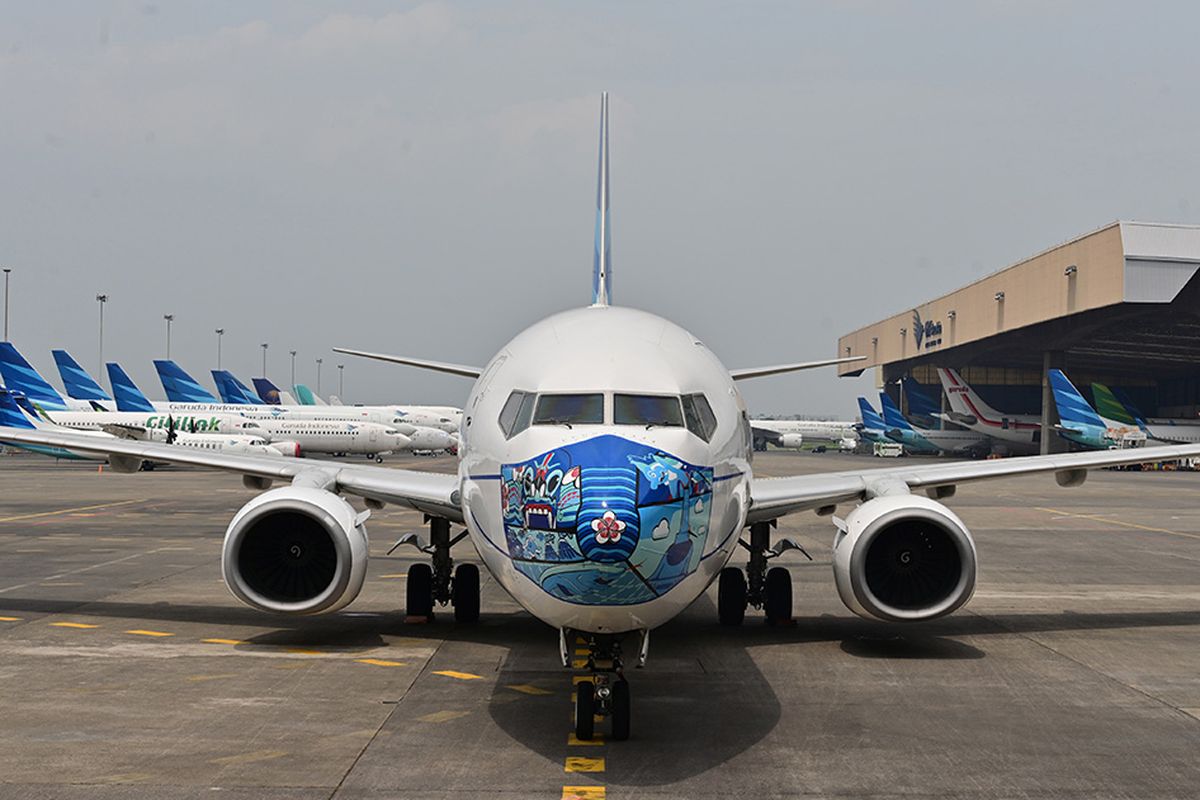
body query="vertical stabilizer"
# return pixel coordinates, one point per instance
(20, 376)
(1073, 409)
(892, 415)
(1109, 407)
(181, 387)
(79, 384)
(602, 265)
(919, 403)
(128, 396)
(870, 417)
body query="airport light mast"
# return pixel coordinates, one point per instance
(169, 318)
(341, 374)
(318, 377)
(220, 332)
(293, 352)
(101, 299)
(7, 272)
(264, 346)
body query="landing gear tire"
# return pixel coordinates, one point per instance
(731, 596)
(378, 459)
(778, 600)
(419, 592)
(585, 710)
(466, 593)
(620, 710)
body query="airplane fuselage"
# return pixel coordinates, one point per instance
(609, 511)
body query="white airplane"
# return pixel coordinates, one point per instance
(605, 489)
(793, 433)
(1019, 432)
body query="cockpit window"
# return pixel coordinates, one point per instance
(647, 409)
(569, 409)
(515, 415)
(699, 416)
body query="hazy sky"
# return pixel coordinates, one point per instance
(420, 178)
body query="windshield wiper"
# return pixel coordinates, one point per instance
(556, 421)
(665, 423)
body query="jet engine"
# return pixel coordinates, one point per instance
(791, 440)
(903, 558)
(296, 550)
(289, 449)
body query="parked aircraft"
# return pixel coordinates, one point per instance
(605, 489)
(1122, 411)
(873, 428)
(795, 432)
(20, 376)
(1020, 433)
(930, 440)
(1079, 422)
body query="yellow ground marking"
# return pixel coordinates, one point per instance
(300, 651)
(222, 641)
(596, 740)
(578, 679)
(379, 662)
(398, 575)
(582, 651)
(584, 793)
(1096, 518)
(526, 688)
(580, 640)
(584, 764)
(199, 678)
(72, 625)
(579, 663)
(140, 632)
(443, 716)
(60, 583)
(462, 676)
(10, 619)
(249, 758)
(67, 511)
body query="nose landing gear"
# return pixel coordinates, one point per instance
(605, 691)
(768, 589)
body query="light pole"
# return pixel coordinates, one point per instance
(293, 352)
(318, 377)
(101, 299)
(341, 374)
(7, 272)
(264, 347)
(169, 318)
(220, 332)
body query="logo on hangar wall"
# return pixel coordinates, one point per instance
(927, 334)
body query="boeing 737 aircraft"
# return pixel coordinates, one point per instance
(795, 432)
(1079, 422)
(1121, 410)
(873, 428)
(1020, 433)
(605, 489)
(930, 440)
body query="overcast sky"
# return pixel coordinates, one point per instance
(420, 178)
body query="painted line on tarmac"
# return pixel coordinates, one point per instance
(141, 632)
(462, 676)
(83, 625)
(583, 764)
(584, 793)
(69, 510)
(1136, 526)
(379, 662)
(76, 571)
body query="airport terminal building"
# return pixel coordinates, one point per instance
(1119, 305)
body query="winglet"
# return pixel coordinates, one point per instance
(602, 264)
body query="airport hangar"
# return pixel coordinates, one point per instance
(1119, 305)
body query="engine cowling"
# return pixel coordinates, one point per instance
(296, 550)
(791, 440)
(904, 558)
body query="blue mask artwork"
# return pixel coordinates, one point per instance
(606, 521)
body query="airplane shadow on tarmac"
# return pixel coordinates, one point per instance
(701, 700)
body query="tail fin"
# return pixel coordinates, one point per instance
(1127, 401)
(305, 395)
(1073, 409)
(78, 382)
(11, 415)
(602, 263)
(892, 415)
(870, 416)
(129, 397)
(267, 391)
(181, 387)
(1109, 407)
(965, 400)
(919, 403)
(233, 391)
(20, 376)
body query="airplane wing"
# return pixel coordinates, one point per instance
(775, 497)
(765, 433)
(428, 492)
(436, 366)
(759, 372)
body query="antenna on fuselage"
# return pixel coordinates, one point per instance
(602, 266)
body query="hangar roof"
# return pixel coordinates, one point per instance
(1122, 297)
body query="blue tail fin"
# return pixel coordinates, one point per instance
(20, 376)
(129, 396)
(181, 387)
(602, 262)
(1073, 409)
(11, 415)
(1130, 407)
(232, 391)
(919, 403)
(870, 416)
(78, 382)
(892, 415)
(267, 391)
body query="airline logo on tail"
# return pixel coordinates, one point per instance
(233, 391)
(181, 387)
(78, 382)
(19, 375)
(129, 397)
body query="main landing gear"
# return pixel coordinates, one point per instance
(768, 589)
(441, 582)
(604, 692)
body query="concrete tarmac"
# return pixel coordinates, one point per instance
(128, 670)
